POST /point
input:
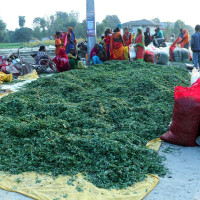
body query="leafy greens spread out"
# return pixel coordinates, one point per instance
(95, 121)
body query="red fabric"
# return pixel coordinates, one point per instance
(94, 52)
(127, 38)
(61, 61)
(108, 39)
(190, 56)
(172, 47)
(186, 116)
(149, 56)
(140, 49)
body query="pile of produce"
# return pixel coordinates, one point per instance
(95, 121)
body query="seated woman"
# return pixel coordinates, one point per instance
(100, 57)
(61, 61)
(74, 60)
(41, 54)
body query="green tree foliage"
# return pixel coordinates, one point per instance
(177, 26)
(156, 20)
(22, 21)
(23, 34)
(169, 30)
(100, 29)
(180, 24)
(111, 21)
(3, 34)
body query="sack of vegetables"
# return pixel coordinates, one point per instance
(186, 116)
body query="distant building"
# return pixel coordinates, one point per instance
(144, 23)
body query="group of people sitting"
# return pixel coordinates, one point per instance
(65, 50)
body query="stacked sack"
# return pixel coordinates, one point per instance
(163, 58)
(181, 55)
(184, 129)
(149, 56)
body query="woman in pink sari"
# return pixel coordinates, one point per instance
(139, 44)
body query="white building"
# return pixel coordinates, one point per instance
(133, 25)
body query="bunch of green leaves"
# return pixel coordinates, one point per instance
(95, 121)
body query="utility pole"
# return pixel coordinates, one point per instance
(91, 26)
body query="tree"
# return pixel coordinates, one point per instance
(156, 20)
(169, 30)
(111, 21)
(81, 29)
(10, 36)
(22, 21)
(3, 34)
(100, 28)
(179, 24)
(23, 34)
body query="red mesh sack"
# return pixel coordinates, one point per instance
(172, 47)
(149, 56)
(186, 116)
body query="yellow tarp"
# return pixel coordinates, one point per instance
(45, 187)
(31, 76)
(154, 144)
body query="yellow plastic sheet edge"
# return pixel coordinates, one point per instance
(31, 76)
(50, 188)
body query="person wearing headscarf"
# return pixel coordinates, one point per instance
(73, 59)
(185, 40)
(100, 57)
(94, 51)
(61, 61)
(71, 40)
(117, 45)
(108, 37)
(58, 43)
(127, 38)
(139, 44)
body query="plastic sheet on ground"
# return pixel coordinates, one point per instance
(46, 187)
(31, 76)
(154, 144)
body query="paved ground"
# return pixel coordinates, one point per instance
(183, 181)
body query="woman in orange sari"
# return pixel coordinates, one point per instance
(117, 45)
(139, 44)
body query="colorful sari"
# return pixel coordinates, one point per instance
(139, 40)
(61, 61)
(117, 46)
(70, 44)
(64, 40)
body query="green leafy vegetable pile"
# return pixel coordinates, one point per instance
(95, 121)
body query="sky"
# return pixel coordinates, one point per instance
(127, 10)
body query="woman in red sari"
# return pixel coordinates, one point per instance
(117, 45)
(61, 61)
(139, 44)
